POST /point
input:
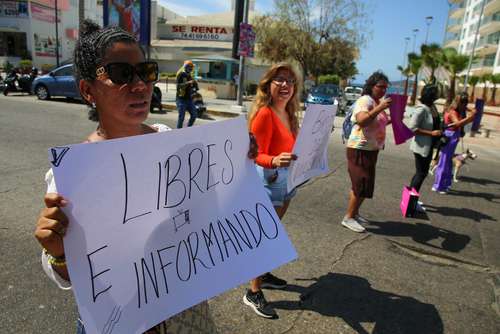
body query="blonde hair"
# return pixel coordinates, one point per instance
(264, 98)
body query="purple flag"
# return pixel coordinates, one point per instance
(397, 109)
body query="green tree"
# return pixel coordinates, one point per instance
(407, 73)
(432, 56)
(495, 80)
(321, 36)
(454, 63)
(415, 62)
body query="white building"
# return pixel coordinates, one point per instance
(27, 29)
(461, 29)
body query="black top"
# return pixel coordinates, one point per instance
(183, 88)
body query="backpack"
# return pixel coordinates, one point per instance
(347, 124)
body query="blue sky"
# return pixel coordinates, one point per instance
(390, 21)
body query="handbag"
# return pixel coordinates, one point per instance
(409, 199)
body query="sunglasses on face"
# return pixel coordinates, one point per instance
(124, 73)
(281, 80)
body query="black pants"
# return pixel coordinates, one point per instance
(422, 169)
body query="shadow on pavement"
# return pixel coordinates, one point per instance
(459, 212)
(352, 299)
(421, 233)
(477, 180)
(469, 194)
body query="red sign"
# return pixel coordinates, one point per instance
(45, 14)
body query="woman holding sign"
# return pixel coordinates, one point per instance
(274, 123)
(117, 82)
(366, 139)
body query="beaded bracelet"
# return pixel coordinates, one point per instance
(58, 261)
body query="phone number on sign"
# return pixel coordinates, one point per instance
(201, 36)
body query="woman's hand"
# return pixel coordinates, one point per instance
(253, 148)
(384, 103)
(436, 133)
(52, 224)
(284, 159)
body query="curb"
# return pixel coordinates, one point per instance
(228, 114)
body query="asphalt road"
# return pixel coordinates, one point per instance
(432, 274)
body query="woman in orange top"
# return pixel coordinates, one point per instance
(274, 123)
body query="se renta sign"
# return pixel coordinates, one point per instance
(195, 32)
(161, 222)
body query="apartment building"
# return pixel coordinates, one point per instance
(463, 19)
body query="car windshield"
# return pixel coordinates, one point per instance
(353, 90)
(326, 90)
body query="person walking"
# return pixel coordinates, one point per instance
(455, 118)
(367, 137)
(426, 124)
(114, 78)
(274, 123)
(183, 99)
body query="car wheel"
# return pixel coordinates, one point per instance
(42, 92)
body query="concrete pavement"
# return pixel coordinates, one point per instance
(436, 273)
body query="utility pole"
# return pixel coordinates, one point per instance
(241, 73)
(474, 46)
(57, 35)
(428, 21)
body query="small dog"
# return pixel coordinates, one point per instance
(459, 160)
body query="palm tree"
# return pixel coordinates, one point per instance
(431, 57)
(454, 63)
(484, 80)
(495, 79)
(407, 73)
(473, 80)
(415, 62)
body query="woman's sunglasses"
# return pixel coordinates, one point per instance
(124, 73)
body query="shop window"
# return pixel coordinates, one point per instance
(217, 71)
(13, 44)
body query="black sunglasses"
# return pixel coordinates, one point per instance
(124, 73)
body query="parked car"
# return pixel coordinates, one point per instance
(58, 82)
(323, 94)
(351, 94)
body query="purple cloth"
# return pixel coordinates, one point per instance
(397, 109)
(444, 169)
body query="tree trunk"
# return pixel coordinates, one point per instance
(414, 93)
(472, 97)
(485, 90)
(492, 101)
(406, 86)
(451, 94)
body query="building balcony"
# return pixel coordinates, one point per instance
(454, 26)
(452, 41)
(486, 49)
(483, 66)
(457, 13)
(491, 7)
(489, 25)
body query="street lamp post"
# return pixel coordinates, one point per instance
(57, 36)
(428, 21)
(405, 58)
(415, 31)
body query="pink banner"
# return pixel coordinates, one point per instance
(397, 109)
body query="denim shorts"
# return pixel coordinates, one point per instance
(275, 182)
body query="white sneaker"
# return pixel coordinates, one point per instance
(353, 225)
(361, 220)
(420, 207)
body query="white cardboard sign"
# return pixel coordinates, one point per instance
(161, 222)
(312, 144)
